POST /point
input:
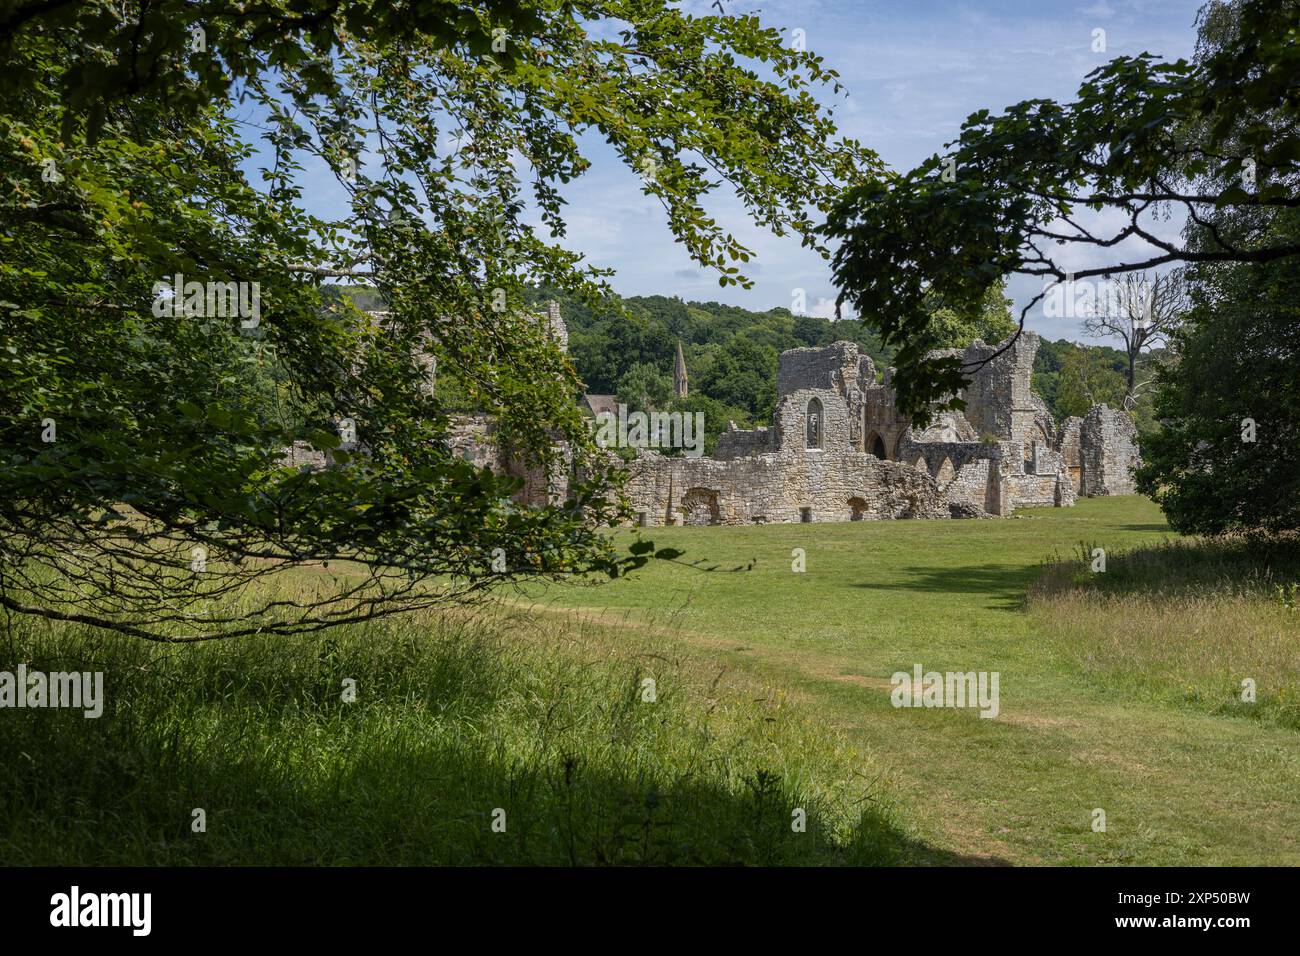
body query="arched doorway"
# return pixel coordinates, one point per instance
(857, 509)
(876, 446)
(700, 506)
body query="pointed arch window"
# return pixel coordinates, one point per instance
(815, 426)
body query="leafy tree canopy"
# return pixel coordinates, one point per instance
(142, 479)
(957, 326)
(1143, 139)
(1227, 457)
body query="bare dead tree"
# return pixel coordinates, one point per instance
(1141, 311)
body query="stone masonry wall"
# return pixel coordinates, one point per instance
(839, 450)
(837, 486)
(1108, 451)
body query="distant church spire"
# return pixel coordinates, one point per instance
(680, 388)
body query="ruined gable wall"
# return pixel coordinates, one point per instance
(1108, 452)
(836, 367)
(999, 399)
(791, 421)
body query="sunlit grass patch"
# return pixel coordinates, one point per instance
(1209, 624)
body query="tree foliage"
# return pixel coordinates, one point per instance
(1227, 457)
(1143, 140)
(957, 326)
(1085, 380)
(125, 134)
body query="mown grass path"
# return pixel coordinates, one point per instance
(1177, 785)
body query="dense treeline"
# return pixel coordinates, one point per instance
(731, 354)
(627, 347)
(1072, 378)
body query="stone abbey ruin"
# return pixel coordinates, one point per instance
(839, 450)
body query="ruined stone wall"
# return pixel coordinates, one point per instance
(792, 421)
(471, 437)
(1108, 452)
(836, 367)
(740, 443)
(838, 486)
(303, 455)
(1030, 491)
(935, 457)
(999, 400)
(968, 494)
(1067, 443)
(841, 368)
(861, 459)
(474, 437)
(881, 418)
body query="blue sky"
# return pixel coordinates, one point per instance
(914, 69)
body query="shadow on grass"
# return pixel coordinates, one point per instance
(1247, 566)
(458, 750)
(1003, 585)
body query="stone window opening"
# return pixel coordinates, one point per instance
(815, 424)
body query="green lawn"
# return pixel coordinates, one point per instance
(771, 700)
(1178, 784)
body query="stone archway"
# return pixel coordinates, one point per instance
(700, 507)
(945, 472)
(875, 446)
(857, 508)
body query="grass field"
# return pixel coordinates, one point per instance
(491, 740)
(1118, 691)
(1105, 702)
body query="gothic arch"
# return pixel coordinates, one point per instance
(875, 446)
(945, 472)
